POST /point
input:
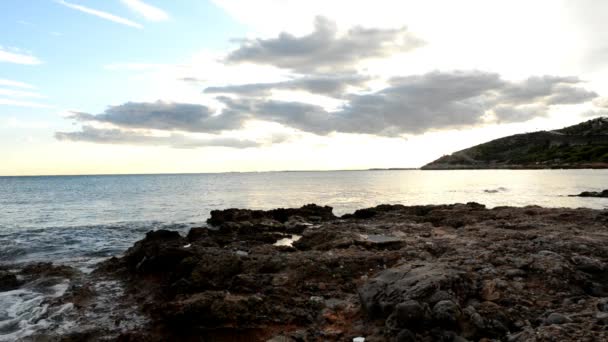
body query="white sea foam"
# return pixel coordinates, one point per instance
(26, 311)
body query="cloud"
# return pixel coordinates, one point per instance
(335, 86)
(17, 57)
(145, 10)
(602, 113)
(19, 93)
(130, 137)
(15, 84)
(549, 90)
(100, 14)
(515, 113)
(134, 66)
(8, 102)
(406, 105)
(324, 50)
(163, 116)
(420, 103)
(601, 102)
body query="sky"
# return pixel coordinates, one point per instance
(150, 86)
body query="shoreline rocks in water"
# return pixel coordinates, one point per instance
(391, 273)
(601, 194)
(458, 272)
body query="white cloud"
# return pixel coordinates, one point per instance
(17, 57)
(147, 11)
(10, 83)
(134, 66)
(19, 93)
(100, 14)
(8, 102)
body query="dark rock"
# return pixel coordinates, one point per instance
(47, 269)
(374, 277)
(421, 282)
(160, 251)
(405, 336)
(411, 313)
(557, 318)
(446, 312)
(603, 194)
(310, 212)
(587, 264)
(8, 281)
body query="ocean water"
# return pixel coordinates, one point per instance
(81, 220)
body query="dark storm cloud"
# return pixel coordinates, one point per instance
(163, 116)
(324, 50)
(118, 136)
(332, 85)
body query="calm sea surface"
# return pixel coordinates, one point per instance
(82, 219)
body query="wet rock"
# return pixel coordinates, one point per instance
(8, 281)
(160, 251)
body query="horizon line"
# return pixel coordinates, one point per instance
(210, 173)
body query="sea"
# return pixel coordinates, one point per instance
(82, 220)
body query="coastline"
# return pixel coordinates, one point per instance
(434, 272)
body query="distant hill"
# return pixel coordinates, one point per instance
(580, 146)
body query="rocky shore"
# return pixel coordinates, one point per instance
(457, 272)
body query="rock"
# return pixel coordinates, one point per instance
(280, 338)
(406, 336)
(549, 262)
(557, 318)
(483, 281)
(446, 312)
(160, 251)
(489, 291)
(8, 281)
(601, 318)
(587, 264)
(411, 313)
(311, 212)
(421, 282)
(602, 194)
